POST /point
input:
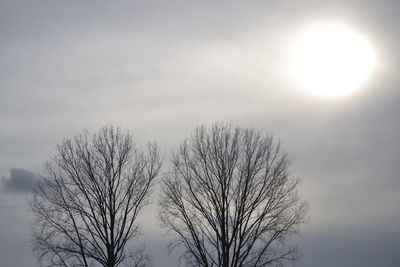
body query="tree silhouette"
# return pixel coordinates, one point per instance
(86, 209)
(230, 201)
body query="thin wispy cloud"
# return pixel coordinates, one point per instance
(161, 68)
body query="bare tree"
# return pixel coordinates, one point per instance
(86, 209)
(230, 201)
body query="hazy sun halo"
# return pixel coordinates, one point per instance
(332, 60)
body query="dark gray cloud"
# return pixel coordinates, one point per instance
(350, 247)
(20, 182)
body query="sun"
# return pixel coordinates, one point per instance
(331, 60)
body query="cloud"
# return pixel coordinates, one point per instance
(20, 182)
(162, 71)
(357, 246)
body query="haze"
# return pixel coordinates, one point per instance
(161, 68)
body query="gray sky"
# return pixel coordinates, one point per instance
(160, 68)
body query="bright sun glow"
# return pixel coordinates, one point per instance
(332, 60)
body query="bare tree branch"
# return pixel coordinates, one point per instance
(87, 207)
(230, 200)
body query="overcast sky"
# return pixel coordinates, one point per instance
(161, 68)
